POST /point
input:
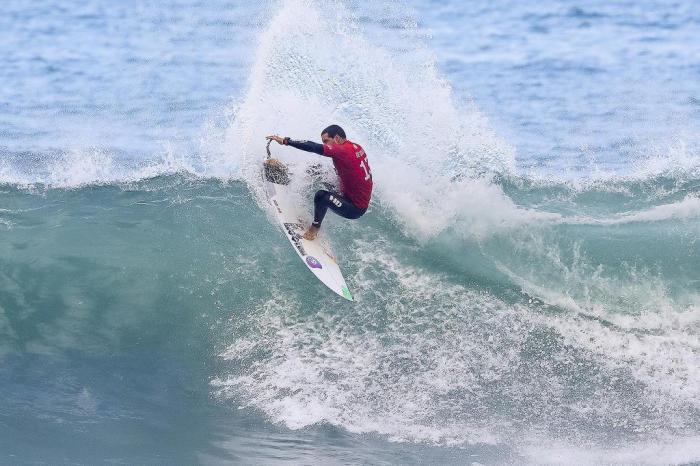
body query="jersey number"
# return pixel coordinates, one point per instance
(364, 166)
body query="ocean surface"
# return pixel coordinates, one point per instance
(527, 279)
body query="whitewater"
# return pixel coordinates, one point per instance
(527, 279)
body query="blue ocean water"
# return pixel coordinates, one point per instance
(527, 280)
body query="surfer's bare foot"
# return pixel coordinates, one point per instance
(311, 233)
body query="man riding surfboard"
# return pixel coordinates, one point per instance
(352, 167)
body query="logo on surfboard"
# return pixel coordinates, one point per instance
(313, 262)
(292, 229)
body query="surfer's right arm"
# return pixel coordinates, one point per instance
(307, 146)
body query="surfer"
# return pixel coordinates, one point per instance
(351, 165)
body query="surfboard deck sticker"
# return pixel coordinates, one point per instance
(317, 255)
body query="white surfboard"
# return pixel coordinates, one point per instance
(316, 255)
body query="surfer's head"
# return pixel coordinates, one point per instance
(334, 134)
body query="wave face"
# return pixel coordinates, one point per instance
(503, 314)
(547, 338)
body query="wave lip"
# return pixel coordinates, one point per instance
(79, 168)
(686, 209)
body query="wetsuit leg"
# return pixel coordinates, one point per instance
(323, 200)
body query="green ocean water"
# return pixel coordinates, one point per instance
(169, 317)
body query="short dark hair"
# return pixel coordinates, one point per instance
(333, 131)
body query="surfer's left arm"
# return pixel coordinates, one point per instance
(307, 146)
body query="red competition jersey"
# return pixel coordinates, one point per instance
(352, 167)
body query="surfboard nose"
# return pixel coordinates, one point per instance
(276, 172)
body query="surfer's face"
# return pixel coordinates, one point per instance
(330, 140)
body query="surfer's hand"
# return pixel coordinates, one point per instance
(277, 139)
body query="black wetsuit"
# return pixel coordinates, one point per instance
(323, 200)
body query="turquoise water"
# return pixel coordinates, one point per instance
(526, 280)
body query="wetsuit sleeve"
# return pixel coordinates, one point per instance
(308, 146)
